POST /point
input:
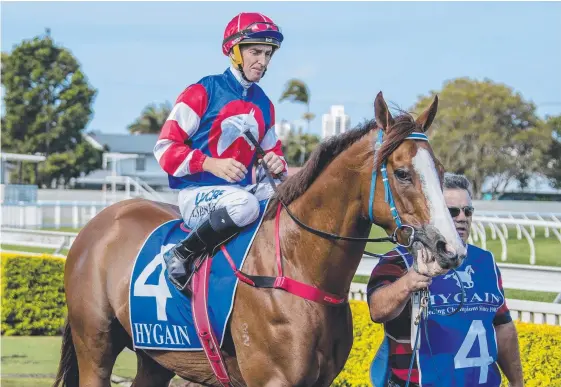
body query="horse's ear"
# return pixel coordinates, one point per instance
(425, 119)
(383, 116)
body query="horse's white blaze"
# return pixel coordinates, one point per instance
(439, 214)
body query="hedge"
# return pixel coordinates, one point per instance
(33, 301)
(33, 304)
(540, 351)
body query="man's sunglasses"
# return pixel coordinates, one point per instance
(455, 211)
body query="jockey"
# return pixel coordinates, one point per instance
(203, 149)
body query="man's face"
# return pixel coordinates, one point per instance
(459, 198)
(256, 58)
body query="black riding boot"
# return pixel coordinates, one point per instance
(182, 258)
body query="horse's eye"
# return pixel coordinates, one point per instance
(402, 175)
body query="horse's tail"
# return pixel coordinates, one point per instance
(67, 375)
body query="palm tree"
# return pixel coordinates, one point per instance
(297, 91)
(151, 119)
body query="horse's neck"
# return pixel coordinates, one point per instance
(333, 203)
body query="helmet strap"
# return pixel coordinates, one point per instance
(236, 56)
(237, 61)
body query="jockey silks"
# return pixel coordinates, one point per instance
(208, 120)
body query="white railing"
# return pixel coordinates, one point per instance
(49, 214)
(537, 216)
(38, 238)
(499, 229)
(514, 276)
(134, 187)
(75, 214)
(525, 311)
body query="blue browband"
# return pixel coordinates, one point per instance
(387, 189)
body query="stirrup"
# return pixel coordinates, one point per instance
(189, 266)
(186, 257)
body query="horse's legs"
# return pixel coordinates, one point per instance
(149, 373)
(97, 343)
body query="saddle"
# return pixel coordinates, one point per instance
(199, 298)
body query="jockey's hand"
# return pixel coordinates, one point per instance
(228, 169)
(274, 163)
(415, 281)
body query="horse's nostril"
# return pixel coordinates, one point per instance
(441, 248)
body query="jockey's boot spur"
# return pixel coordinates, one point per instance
(184, 258)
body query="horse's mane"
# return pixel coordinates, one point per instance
(328, 150)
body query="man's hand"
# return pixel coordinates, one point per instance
(228, 169)
(416, 281)
(274, 163)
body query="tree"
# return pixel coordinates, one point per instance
(297, 91)
(47, 105)
(552, 158)
(485, 130)
(151, 119)
(297, 148)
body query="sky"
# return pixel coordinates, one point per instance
(138, 53)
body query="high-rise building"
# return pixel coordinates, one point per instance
(335, 122)
(283, 128)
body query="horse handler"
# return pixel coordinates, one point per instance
(460, 330)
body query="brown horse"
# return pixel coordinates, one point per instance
(275, 338)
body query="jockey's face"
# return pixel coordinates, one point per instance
(256, 58)
(459, 198)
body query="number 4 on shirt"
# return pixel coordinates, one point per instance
(476, 331)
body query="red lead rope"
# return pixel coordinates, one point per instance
(285, 283)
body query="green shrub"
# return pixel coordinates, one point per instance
(33, 301)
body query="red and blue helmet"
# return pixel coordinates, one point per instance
(250, 28)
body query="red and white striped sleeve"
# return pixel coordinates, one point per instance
(271, 143)
(174, 156)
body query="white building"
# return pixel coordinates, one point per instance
(335, 122)
(126, 155)
(282, 129)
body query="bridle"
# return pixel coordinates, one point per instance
(424, 294)
(388, 197)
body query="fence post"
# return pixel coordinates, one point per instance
(75, 215)
(92, 210)
(57, 215)
(21, 214)
(39, 216)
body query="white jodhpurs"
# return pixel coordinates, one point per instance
(196, 203)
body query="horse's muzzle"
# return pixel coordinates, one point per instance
(432, 247)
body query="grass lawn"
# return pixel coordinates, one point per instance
(548, 250)
(29, 249)
(62, 229)
(33, 361)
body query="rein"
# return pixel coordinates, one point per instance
(422, 316)
(388, 196)
(314, 294)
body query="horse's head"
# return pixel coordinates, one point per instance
(415, 178)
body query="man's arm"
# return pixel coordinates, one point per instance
(387, 302)
(508, 356)
(509, 353)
